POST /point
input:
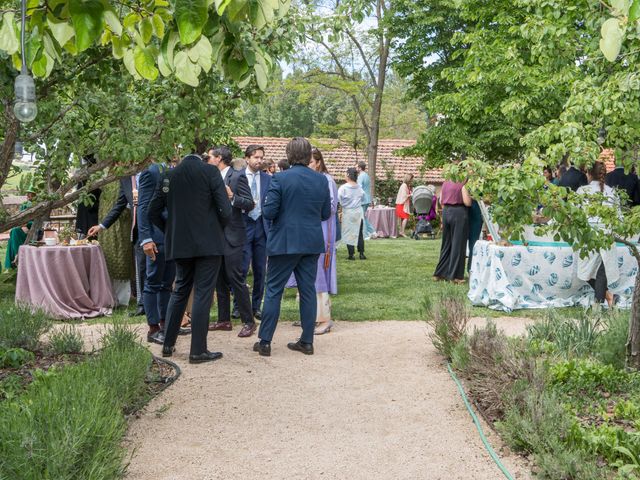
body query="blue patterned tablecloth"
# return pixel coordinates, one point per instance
(515, 277)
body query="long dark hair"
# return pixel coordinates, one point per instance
(597, 172)
(317, 156)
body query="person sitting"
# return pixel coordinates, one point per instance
(18, 235)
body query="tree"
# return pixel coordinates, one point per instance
(545, 58)
(105, 96)
(355, 60)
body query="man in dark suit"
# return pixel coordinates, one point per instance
(573, 179)
(255, 249)
(128, 198)
(160, 271)
(231, 277)
(628, 182)
(297, 203)
(198, 208)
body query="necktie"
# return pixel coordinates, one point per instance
(134, 208)
(255, 213)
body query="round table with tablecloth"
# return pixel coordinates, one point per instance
(383, 220)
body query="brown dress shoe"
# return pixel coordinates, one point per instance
(225, 326)
(247, 330)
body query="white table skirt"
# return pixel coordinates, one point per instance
(516, 277)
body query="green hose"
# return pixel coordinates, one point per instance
(492, 453)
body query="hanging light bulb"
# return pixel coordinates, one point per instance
(24, 108)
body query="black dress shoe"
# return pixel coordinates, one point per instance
(306, 348)
(205, 357)
(351, 257)
(257, 314)
(362, 257)
(184, 331)
(168, 351)
(263, 350)
(235, 313)
(156, 337)
(137, 312)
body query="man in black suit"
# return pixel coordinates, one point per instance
(128, 198)
(231, 277)
(573, 179)
(197, 210)
(297, 203)
(628, 182)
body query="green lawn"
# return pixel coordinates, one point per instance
(390, 285)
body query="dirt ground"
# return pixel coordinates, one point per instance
(374, 402)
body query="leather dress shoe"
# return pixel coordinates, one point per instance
(205, 357)
(137, 312)
(263, 350)
(184, 331)
(156, 337)
(247, 330)
(235, 313)
(362, 257)
(257, 314)
(224, 326)
(168, 351)
(306, 348)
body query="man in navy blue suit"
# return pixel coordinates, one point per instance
(297, 203)
(160, 272)
(257, 226)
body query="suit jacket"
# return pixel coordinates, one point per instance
(297, 203)
(198, 208)
(147, 185)
(265, 182)
(625, 181)
(573, 179)
(235, 231)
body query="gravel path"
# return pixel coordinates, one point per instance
(374, 402)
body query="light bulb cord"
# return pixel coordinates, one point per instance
(24, 53)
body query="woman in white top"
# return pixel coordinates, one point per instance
(600, 268)
(350, 197)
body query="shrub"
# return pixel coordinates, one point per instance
(69, 422)
(448, 318)
(584, 378)
(20, 327)
(66, 340)
(571, 337)
(15, 357)
(610, 348)
(539, 425)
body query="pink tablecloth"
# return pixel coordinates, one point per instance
(383, 221)
(65, 282)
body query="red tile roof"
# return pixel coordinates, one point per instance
(339, 156)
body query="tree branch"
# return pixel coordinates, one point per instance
(374, 81)
(58, 117)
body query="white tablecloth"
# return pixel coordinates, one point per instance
(515, 277)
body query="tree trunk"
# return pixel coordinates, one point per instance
(633, 340)
(7, 149)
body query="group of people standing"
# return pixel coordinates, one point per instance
(200, 225)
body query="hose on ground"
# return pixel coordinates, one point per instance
(486, 443)
(168, 380)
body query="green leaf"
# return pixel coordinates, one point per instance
(146, 30)
(43, 65)
(237, 67)
(611, 41)
(145, 63)
(168, 46)
(34, 47)
(86, 16)
(237, 9)
(261, 13)
(117, 47)
(191, 16)
(131, 20)
(221, 5)
(50, 46)
(261, 77)
(186, 71)
(130, 62)
(158, 26)
(164, 68)
(61, 31)
(8, 35)
(620, 6)
(634, 11)
(112, 20)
